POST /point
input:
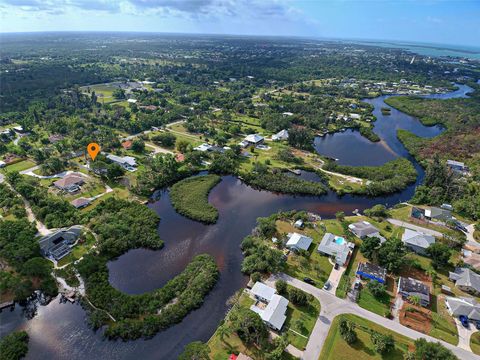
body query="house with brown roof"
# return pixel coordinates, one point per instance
(127, 145)
(80, 202)
(70, 183)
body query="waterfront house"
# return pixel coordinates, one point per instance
(435, 213)
(270, 307)
(370, 271)
(363, 229)
(70, 183)
(58, 244)
(417, 241)
(336, 246)
(411, 287)
(298, 241)
(466, 280)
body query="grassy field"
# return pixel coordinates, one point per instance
(301, 319)
(369, 302)
(20, 166)
(190, 198)
(475, 342)
(335, 348)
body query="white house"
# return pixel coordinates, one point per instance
(274, 313)
(204, 147)
(298, 241)
(254, 139)
(128, 162)
(463, 306)
(281, 135)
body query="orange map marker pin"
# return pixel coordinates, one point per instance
(93, 149)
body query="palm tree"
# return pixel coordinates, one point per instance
(223, 331)
(414, 299)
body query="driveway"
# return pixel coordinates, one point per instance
(464, 334)
(470, 239)
(415, 227)
(334, 278)
(332, 306)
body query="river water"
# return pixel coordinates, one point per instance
(60, 331)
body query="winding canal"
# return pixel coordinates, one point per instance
(60, 331)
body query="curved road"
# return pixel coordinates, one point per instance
(332, 306)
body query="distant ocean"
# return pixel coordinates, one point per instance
(471, 52)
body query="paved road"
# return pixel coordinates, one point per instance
(470, 239)
(415, 227)
(331, 306)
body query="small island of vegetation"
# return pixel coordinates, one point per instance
(190, 198)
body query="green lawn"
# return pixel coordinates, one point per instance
(475, 342)
(378, 306)
(20, 166)
(316, 266)
(335, 348)
(301, 319)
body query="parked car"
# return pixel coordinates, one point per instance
(357, 285)
(309, 281)
(336, 266)
(477, 324)
(327, 285)
(464, 320)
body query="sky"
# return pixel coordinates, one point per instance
(454, 22)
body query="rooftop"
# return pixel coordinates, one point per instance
(372, 269)
(465, 277)
(299, 241)
(410, 285)
(417, 238)
(263, 291)
(69, 180)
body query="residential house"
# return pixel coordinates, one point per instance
(127, 144)
(80, 202)
(127, 162)
(436, 213)
(59, 243)
(337, 247)
(417, 241)
(372, 272)
(463, 306)
(203, 148)
(298, 241)
(271, 307)
(363, 229)
(253, 139)
(466, 280)
(411, 287)
(457, 167)
(281, 135)
(70, 183)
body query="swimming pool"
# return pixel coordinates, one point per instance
(339, 240)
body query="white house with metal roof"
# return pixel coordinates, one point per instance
(298, 241)
(271, 307)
